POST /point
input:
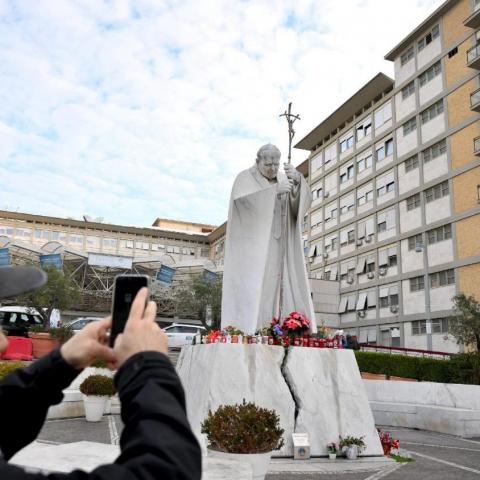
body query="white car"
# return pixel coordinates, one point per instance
(180, 334)
(79, 323)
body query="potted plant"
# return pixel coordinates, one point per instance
(96, 389)
(333, 449)
(352, 446)
(244, 432)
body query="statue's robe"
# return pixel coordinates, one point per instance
(254, 250)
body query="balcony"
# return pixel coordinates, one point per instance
(475, 100)
(473, 21)
(476, 146)
(473, 57)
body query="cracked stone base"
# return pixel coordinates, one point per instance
(328, 394)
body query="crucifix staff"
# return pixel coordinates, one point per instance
(291, 118)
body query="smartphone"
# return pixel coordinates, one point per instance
(125, 289)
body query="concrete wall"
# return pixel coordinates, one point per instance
(435, 168)
(433, 128)
(446, 408)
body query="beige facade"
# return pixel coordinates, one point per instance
(396, 184)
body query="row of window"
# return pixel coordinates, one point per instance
(438, 279)
(408, 55)
(433, 236)
(92, 241)
(439, 325)
(428, 114)
(433, 193)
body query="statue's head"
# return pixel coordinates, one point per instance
(268, 161)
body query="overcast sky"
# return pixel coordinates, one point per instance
(132, 110)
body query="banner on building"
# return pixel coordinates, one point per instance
(5, 257)
(166, 274)
(111, 261)
(51, 260)
(209, 276)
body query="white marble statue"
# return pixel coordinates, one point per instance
(259, 239)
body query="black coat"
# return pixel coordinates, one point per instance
(156, 442)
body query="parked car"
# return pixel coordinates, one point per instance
(81, 322)
(17, 321)
(180, 334)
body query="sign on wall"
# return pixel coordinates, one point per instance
(166, 274)
(51, 260)
(5, 257)
(112, 261)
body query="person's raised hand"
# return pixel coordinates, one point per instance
(141, 333)
(88, 345)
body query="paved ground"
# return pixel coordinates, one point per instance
(436, 456)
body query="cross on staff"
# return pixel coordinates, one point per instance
(291, 118)
(291, 132)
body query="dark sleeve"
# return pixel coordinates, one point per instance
(157, 442)
(25, 396)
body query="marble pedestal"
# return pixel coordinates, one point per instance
(319, 391)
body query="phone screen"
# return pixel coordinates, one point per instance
(126, 288)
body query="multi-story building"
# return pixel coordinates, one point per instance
(395, 175)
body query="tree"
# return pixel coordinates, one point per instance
(59, 292)
(465, 324)
(196, 294)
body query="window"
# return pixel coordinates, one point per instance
(316, 218)
(411, 163)
(382, 227)
(392, 257)
(419, 327)
(440, 279)
(389, 147)
(334, 243)
(430, 74)
(406, 56)
(428, 38)
(109, 242)
(330, 153)
(408, 90)
(317, 191)
(380, 153)
(365, 197)
(351, 236)
(440, 325)
(417, 284)
(434, 151)
(439, 234)
(364, 163)
(413, 202)
(414, 241)
(364, 129)
(347, 175)
(346, 144)
(452, 52)
(389, 187)
(385, 150)
(383, 115)
(436, 192)
(410, 126)
(316, 162)
(432, 112)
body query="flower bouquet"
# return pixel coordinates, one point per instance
(388, 443)
(333, 449)
(213, 336)
(232, 334)
(295, 326)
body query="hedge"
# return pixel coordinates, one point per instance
(462, 368)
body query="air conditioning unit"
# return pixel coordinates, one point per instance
(370, 275)
(350, 279)
(361, 313)
(326, 194)
(368, 239)
(382, 271)
(394, 308)
(359, 243)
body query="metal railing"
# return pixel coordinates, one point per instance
(414, 352)
(473, 53)
(475, 98)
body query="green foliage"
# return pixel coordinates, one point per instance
(62, 334)
(243, 428)
(349, 441)
(465, 324)
(462, 368)
(195, 294)
(99, 364)
(9, 367)
(98, 385)
(59, 292)
(401, 458)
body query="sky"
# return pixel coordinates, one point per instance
(133, 110)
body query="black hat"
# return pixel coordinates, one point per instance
(19, 279)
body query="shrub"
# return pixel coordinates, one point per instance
(8, 367)
(243, 428)
(98, 385)
(465, 368)
(99, 364)
(62, 334)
